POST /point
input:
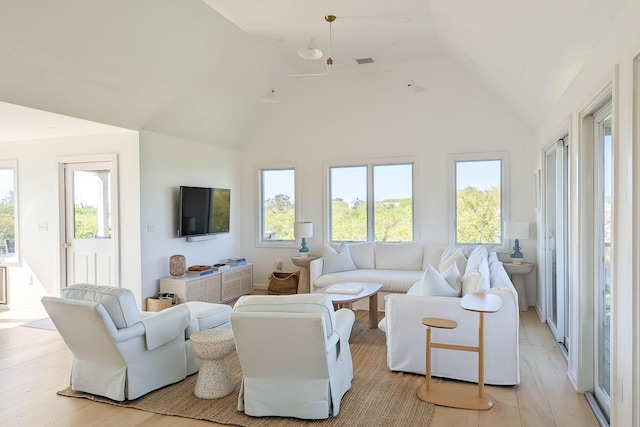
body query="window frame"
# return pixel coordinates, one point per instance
(260, 241)
(505, 199)
(369, 164)
(12, 164)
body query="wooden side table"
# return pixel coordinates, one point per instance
(517, 273)
(304, 287)
(453, 394)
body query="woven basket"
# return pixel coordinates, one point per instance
(283, 283)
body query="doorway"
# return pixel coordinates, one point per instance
(556, 181)
(90, 222)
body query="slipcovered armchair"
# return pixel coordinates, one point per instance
(294, 353)
(120, 352)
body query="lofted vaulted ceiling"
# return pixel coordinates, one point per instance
(196, 68)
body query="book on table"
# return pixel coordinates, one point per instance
(345, 288)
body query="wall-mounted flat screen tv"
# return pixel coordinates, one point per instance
(204, 211)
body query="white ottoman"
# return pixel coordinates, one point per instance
(213, 346)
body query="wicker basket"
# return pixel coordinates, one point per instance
(283, 283)
(157, 304)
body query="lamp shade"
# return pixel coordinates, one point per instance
(310, 51)
(516, 230)
(303, 229)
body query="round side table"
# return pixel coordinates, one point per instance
(213, 346)
(517, 273)
(304, 287)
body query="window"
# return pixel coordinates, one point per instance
(371, 202)
(8, 211)
(479, 199)
(277, 205)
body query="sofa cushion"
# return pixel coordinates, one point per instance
(453, 277)
(433, 284)
(337, 260)
(362, 254)
(119, 302)
(450, 255)
(391, 280)
(206, 315)
(399, 256)
(476, 276)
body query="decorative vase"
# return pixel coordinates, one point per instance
(177, 265)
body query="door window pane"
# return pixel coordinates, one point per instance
(348, 195)
(7, 212)
(278, 204)
(92, 204)
(478, 202)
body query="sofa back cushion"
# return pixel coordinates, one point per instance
(362, 254)
(119, 303)
(476, 275)
(399, 256)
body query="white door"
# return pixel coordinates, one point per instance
(90, 223)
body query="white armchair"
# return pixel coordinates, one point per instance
(294, 353)
(119, 352)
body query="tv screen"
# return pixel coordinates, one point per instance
(204, 211)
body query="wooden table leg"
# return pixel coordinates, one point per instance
(373, 311)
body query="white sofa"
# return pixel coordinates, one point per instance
(405, 332)
(396, 266)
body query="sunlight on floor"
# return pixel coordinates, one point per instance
(10, 317)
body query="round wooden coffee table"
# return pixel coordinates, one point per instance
(346, 300)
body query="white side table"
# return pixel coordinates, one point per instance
(304, 287)
(517, 273)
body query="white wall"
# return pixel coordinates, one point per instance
(38, 201)
(369, 113)
(166, 163)
(612, 64)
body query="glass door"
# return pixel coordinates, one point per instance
(603, 255)
(556, 239)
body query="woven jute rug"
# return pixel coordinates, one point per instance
(378, 397)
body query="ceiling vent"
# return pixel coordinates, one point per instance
(363, 61)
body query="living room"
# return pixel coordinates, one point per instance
(354, 114)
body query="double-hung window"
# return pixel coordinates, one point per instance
(479, 199)
(277, 205)
(8, 211)
(371, 201)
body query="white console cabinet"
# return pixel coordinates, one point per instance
(215, 287)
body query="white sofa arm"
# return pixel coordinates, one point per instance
(315, 271)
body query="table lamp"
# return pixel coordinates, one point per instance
(516, 230)
(303, 230)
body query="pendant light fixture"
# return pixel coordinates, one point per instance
(270, 97)
(312, 51)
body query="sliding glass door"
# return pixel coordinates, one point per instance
(603, 255)
(556, 239)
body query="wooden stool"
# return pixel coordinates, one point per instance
(453, 394)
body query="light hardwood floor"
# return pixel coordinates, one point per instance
(35, 363)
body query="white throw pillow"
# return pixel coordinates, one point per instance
(453, 277)
(337, 260)
(452, 255)
(433, 284)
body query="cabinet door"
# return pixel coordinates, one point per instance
(237, 282)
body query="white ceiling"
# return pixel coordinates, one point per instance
(182, 69)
